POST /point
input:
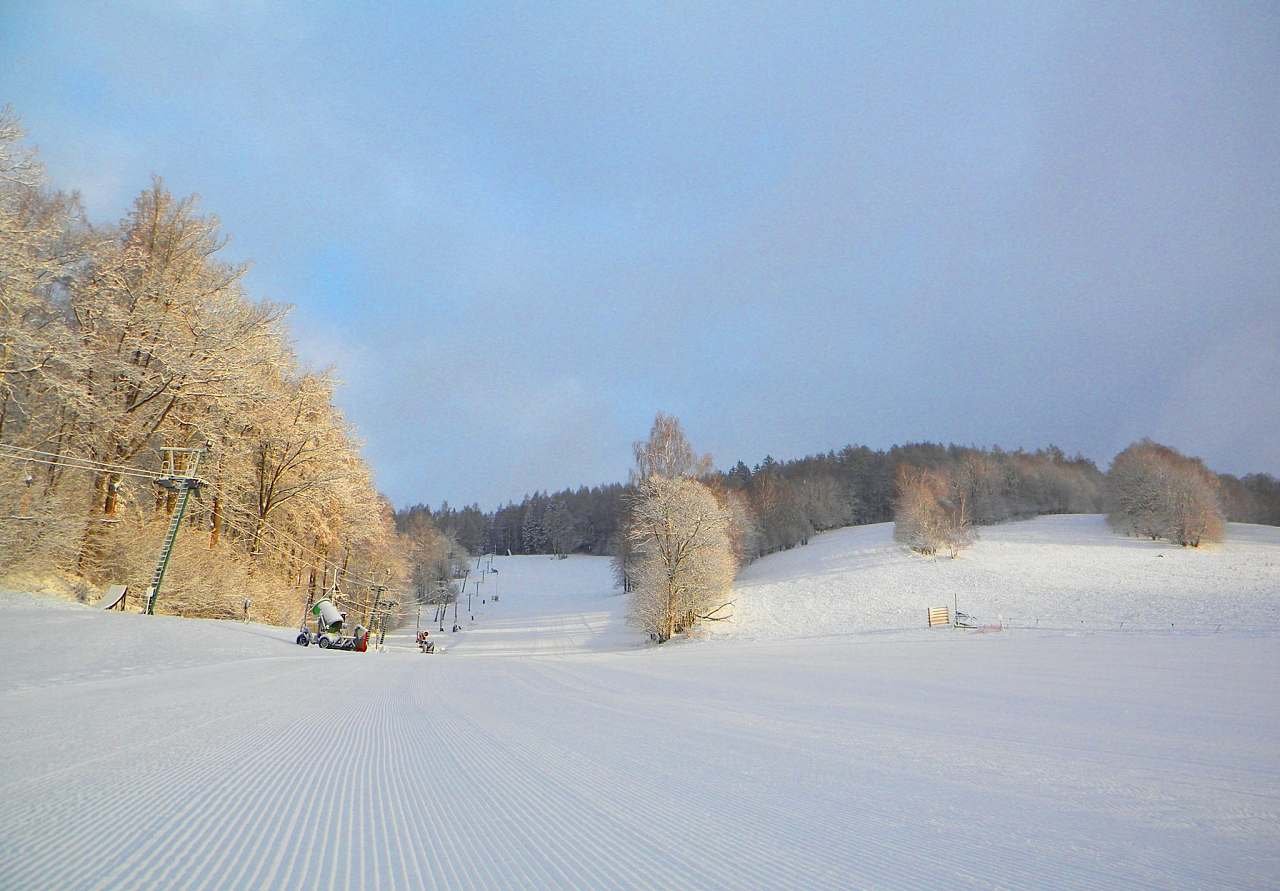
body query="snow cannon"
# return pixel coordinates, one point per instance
(330, 619)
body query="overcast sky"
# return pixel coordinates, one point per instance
(518, 230)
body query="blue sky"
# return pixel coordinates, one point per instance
(518, 230)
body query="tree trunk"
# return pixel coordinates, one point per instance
(88, 558)
(255, 550)
(112, 499)
(215, 531)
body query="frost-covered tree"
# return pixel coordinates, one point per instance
(684, 559)
(667, 452)
(777, 502)
(928, 515)
(533, 535)
(42, 242)
(622, 563)
(1158, 492)
(1253, 498)
(297, 448)
(116, 341)
(561, 529)
(825, 503)
(744, 528)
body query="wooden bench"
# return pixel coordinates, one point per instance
(939, 615)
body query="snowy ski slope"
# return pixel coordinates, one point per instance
(549, 746)
(545, 607)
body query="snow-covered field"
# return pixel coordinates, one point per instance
(1063, 572)
(548, 746)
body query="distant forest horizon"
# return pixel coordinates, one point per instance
(852, 485)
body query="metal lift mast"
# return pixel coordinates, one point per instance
(181, 466)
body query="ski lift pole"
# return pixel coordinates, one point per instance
(185, 482)
(377, 597)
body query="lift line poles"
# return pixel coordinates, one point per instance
(377, 596)
(180, 477)
(466, 573)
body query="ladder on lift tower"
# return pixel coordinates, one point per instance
(180, 466)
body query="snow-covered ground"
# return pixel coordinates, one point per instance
(1064, 572)
(154, 752)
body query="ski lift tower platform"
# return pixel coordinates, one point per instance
(179, 475)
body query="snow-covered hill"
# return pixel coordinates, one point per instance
(547, 745)
(1056, 572)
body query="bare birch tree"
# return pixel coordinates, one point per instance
(667, 452)
(684, 565)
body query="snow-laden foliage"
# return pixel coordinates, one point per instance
(930, 514)
(116, 341)
(683, 563)
(1158, 492)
